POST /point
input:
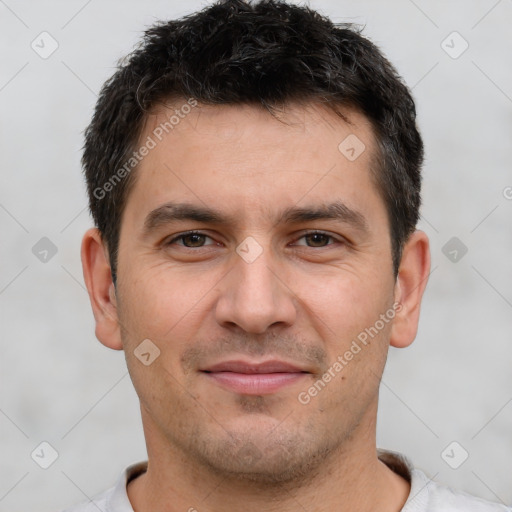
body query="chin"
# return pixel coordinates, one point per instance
(260, 457)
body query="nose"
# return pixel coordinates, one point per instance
(256, 295)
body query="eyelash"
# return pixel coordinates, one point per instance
(189, 233)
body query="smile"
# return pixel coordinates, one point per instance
(254, 379)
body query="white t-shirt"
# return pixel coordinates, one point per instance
(425, 496)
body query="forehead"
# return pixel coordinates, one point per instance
(239, 157)
(191, 122)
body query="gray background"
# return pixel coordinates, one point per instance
(59, 385)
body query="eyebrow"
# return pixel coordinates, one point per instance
(172, 212)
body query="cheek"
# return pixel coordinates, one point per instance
(344, 310)
(343, 303)
(163, 303)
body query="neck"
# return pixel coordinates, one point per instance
(350, 478)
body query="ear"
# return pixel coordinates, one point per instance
(102, 294)
(409, 287)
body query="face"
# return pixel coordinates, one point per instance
(269, 324)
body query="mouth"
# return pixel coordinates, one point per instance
(250, 378)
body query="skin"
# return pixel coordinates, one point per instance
(302, 300)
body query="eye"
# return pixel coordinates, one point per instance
(197, 239)
(317, 239)
(191, 239)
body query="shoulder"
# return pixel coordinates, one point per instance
(114, 499)
(429, 496)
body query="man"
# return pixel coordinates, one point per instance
(254, 176)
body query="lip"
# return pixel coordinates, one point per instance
(238, 366)
(250, 378)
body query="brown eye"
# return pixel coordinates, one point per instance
(317, 239)
(191, 240)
